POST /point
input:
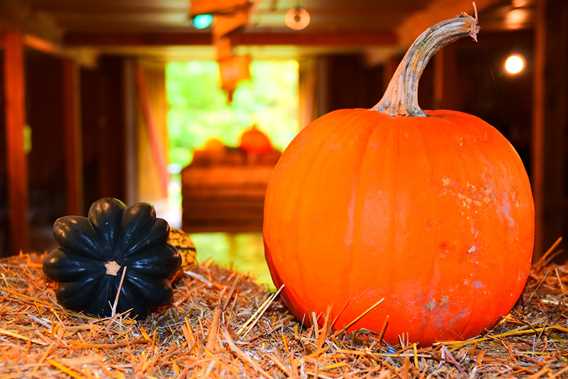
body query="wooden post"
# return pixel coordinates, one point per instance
(550, 123)
(72, 135)
(153, 125)
(446, 79)
(131, 130)
(17, 170)
(306, 90)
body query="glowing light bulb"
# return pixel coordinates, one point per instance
(202, 21)
(297, 18)
(515, 64)
(521, 3)
(517, 17)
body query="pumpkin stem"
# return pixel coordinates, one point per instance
(401, 96)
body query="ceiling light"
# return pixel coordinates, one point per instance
(521, 3)
(202, 21)
(517, 17)
(297, 18)
(514, 64)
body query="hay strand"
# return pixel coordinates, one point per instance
(194, 337)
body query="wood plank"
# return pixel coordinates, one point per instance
(550, 123)
(447, 85)
(131, 131)
(20, 17)
(15, 113)
(323, 39)
(150, 88)
(103, 127)
(73, 137)
(42, 44)
(539, 124)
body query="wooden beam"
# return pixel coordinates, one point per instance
(550, 123)
(437, 10)
(72, 136)
(20, 16)
(17, 175)
(43, 45)
(331, 39)
(539, 124)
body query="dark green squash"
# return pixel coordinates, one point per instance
(94, 251)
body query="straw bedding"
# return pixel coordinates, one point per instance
(224, 325)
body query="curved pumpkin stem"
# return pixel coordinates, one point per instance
(401, 96)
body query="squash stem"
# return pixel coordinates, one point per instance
(112, 268)
(401, 96)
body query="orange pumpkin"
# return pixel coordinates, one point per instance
(430, 211)
(214, 146)
(213, 151)
(253, 141)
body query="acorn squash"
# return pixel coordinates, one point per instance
(116, 248)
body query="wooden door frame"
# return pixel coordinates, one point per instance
(14, 44)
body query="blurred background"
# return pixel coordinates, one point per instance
(188, 104)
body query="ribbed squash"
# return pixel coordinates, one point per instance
(116, 259)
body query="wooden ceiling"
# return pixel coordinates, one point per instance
(128, 16)
(161, 24)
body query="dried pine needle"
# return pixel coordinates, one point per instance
(244, 357)
(16, 335)
(249, 324)
(64, 369)
(352, 322)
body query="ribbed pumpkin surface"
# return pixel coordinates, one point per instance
(433, 214)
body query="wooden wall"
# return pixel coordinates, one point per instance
(531, 110)
(49, 83)
(111, 118)
(550, 121)
(46, 159)
(4, 233)
(103, 126)
(16, 160)
(352, 82)
(348, 82)
(96, 108)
